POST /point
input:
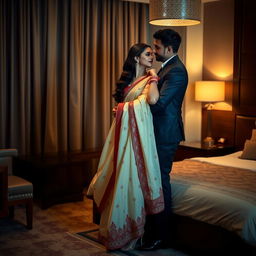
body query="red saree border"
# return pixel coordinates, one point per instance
(111, 183)
(152, 206)
(119, 237)
(128, 88)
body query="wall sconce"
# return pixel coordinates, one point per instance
(174, 12)
(209, 92)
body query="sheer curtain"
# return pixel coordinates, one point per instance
(60, 60)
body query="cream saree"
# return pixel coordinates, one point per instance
(127, 185)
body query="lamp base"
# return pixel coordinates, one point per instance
(208, 142)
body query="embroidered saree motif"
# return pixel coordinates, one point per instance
(127, 185)
(118, 237)
(152, 206)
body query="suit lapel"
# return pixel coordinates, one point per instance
(165, 69)
(159, 71)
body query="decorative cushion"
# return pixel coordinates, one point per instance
(19, 188)
(249, 151)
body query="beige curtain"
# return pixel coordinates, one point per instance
(59, 64)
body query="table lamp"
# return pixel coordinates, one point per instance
(209, 92)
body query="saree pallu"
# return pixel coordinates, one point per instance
(127, 185)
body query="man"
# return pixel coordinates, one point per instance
(168, 127)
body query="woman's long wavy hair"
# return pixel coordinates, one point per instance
(129, 70)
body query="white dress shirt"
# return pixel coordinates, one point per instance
(167, 61)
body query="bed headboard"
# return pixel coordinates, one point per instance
(243, 129)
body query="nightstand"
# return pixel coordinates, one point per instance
(196, 149)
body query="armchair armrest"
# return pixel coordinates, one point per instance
(6, 156)
(8, 152)
(3, 192)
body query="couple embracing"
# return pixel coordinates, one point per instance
(132, 185)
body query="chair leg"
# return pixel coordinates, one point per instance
(29, 214)
(11, 212)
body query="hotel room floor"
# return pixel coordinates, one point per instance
(54, 233)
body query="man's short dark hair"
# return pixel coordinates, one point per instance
(169, 37)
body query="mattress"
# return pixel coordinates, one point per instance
(217, 190)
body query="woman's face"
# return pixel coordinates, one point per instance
(146, 58)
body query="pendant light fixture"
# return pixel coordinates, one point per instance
(174, 12)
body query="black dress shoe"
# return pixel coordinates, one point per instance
(138, 244)
(153, 245)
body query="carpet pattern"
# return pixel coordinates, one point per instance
(55, 233)
(51, 232)
(92, 235)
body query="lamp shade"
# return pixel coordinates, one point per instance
(174, 12)
(210, 91)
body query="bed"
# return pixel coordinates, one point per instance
(209, 215)
(219, 191)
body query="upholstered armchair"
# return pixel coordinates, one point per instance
(20, 191)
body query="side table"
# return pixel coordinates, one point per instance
(196, 149)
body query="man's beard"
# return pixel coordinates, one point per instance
(159, 58)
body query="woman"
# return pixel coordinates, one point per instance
(127, 185)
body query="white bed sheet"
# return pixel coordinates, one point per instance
(215, 207)
(232, 160)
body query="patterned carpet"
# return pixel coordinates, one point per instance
(92, 235)
(55, 231)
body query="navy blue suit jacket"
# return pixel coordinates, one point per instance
(168, 128)
(167, 119)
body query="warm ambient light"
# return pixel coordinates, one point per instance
(209, 91)
(174, 12)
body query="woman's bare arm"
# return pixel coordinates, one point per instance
(153, 93)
